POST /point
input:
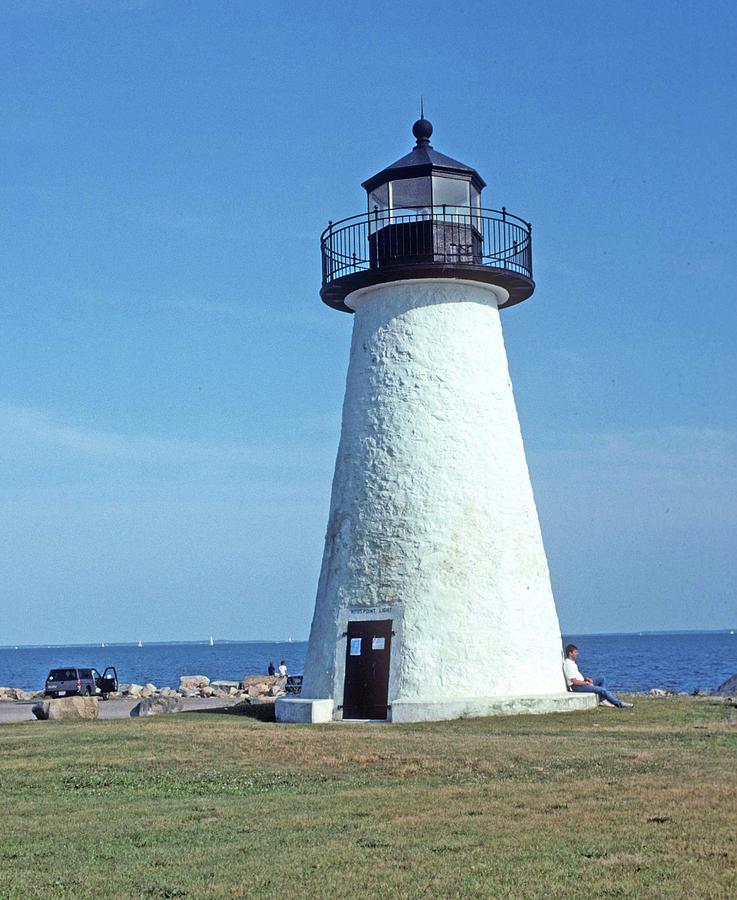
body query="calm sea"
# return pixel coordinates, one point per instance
(630, 662)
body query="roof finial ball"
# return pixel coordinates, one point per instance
(422, 129)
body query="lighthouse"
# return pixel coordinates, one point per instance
(434, 599)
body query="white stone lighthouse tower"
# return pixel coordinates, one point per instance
(434, 599)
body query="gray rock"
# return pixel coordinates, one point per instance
(264, 686)
(10, 693)
(156, 706)
(225, 685)
(67, 708)
(193, 682)
(729, 688)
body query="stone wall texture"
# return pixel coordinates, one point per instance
(432, 509)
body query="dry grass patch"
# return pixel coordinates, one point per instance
(606, 803)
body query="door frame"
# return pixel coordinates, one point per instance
(368, 614)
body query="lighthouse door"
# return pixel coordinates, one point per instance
(366, 690)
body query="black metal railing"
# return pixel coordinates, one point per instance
(441, 235)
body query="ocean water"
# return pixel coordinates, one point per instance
(629, 662)
(161, 664)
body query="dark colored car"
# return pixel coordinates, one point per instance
(86, 682)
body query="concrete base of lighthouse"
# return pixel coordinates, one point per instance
(434, 596)
(307, 712)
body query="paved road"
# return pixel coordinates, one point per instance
(20, 711)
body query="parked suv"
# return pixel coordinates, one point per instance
(89, 682)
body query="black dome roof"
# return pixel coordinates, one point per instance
(422, 160)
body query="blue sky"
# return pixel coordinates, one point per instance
(171, 384)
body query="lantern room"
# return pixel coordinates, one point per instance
(424, 219)
(424, 180)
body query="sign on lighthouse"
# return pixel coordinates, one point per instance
(434, 599)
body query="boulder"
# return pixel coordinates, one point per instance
(225, 686)
(151, 687)
(133, 690)
(729, 688)
(67, 708)
(156, 706)
(193, 682)
(657, 692)
(264, 687)
(10, 693)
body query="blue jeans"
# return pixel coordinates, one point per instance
(597, 688)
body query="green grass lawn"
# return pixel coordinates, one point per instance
(608, 803)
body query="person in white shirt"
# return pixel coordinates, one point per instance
(576, 682)
(283, 669)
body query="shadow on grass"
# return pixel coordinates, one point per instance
(262, 712)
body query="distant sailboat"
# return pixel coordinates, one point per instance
(102, 644)
(140, 644)
(212, 643)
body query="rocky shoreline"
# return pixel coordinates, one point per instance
(251, 689)
(262, 689)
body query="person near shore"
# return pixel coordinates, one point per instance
(272, 668)
(283, 669)
(576, 682)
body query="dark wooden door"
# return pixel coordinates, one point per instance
(368, 650)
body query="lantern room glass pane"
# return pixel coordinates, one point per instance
(379, 197)
(453, 193)
(476, 206)
(410, 193)
(378, 206)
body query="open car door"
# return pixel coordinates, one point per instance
(108, 682)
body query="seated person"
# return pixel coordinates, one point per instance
(576, 682)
